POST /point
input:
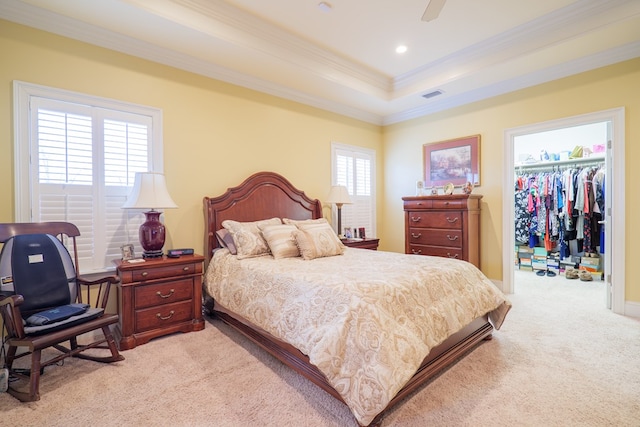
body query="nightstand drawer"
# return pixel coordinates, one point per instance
(163, 293)
(162, 272)
(164, 315)
(435, 219)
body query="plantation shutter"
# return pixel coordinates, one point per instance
(84, 160)
(353, 168)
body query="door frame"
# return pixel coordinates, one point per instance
(615, 215)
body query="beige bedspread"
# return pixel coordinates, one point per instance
(366, 319)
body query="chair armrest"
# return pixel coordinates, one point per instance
(12, 300)
(10, 310)
(103, 285)
(105, 279)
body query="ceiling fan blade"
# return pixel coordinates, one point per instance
(433, 10)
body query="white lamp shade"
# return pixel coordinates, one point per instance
(339, 195)
(149, 192)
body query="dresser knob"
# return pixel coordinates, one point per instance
(165, 296)
(159, 316)
(453, 239)
(185, 268)
(144, 274)
(415, 218)
(452, 256)
(452, 219)
(416, 236)
(418, 252)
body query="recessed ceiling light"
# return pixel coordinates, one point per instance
(401, 49)
(324, 6)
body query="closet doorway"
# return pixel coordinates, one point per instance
(545, 145)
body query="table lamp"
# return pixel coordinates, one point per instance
(150, 192)
(339, 195)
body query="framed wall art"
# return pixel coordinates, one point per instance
(455, 161)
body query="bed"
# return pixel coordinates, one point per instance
(341, 349)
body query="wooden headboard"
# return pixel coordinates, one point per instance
(263, 195)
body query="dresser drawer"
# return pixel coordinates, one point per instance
(435, 219)
(417, 204)
(449, 204)
(162, 272)
(436, 237)
(163, 293)
(163, 315)
(436, 251)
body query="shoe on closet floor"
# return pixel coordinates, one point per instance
(585, 276)
(571, 273)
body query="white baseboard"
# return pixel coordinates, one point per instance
(632, 309)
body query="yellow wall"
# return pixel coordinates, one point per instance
(606, 88)
(215, 134)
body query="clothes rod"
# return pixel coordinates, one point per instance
(580, 162)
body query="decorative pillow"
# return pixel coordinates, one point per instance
(248, 238)
(317, 240)
(280, 240)
(226, 240)
(297, 222)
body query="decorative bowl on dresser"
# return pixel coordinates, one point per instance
(446, 226)
(157, 297)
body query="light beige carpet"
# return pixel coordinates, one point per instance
(561, 359)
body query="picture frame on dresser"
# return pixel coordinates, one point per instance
(455, 161)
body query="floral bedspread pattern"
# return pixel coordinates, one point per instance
(366, 318)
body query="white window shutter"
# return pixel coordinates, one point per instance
(83, 158)
(353, 167)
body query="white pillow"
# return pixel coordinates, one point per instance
(280, 240)
(297, 222)
(316, 240)
(248, 237)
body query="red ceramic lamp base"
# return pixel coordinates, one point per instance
(152, 235)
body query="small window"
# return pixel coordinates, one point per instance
(76, 158)
(354, 167)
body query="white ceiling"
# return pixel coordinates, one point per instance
(343, 59)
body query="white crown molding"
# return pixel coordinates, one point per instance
(375, 98)
(601, 59)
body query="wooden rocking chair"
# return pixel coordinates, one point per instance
(38, 290)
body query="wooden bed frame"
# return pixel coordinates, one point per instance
(268, 195)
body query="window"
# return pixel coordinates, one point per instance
(76, 159)
(354, 167)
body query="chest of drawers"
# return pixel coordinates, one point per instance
(158, 297)
(446, 226)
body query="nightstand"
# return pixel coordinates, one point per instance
(157, 297)
(362, 243)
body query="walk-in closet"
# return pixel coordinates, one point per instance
(560, 196)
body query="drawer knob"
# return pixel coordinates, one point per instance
(144, 274)
(185, 268)
(159, 316)
(446, 203)
(416, 236)
(452, 238)
(167, 295)
(452, 219)
(452, 256)
(416, 252)
(415, 218)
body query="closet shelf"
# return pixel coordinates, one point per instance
(583, 161)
